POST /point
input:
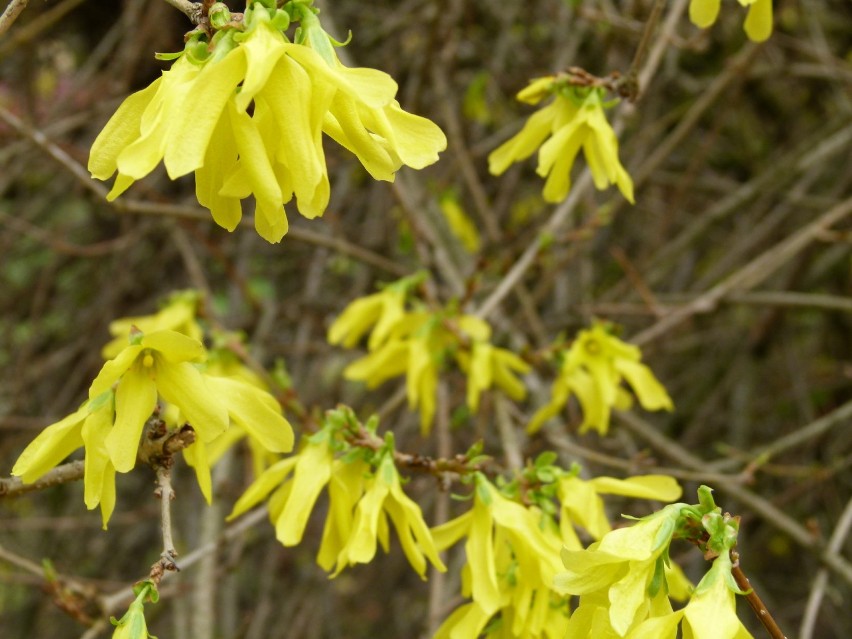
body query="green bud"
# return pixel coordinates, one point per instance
(219, 15)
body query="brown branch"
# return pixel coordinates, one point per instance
(13, 10)
(72, 471)
(755, 602)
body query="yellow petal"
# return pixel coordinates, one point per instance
(174, 347)
(182, 385)
(659, 487)
(113, 370)
(256, 411)
(121, 130)
(388, 361)
(758, 23)
(50, 447)
(135, 399)
(94, 432)
(312, 473)
(196, 119)
(703, 13)
(524, 143)
(271, 479)
(263, 47)
(652, 395)
(196, 456)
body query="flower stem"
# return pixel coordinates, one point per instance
(757, 604)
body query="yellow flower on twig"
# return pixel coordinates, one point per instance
(574, 121)
(246, 112)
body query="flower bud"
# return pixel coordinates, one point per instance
(219, 15)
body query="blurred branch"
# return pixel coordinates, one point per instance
(835, 544)
(752, 274)
(13, 10)
(71, 471)
(192, 10)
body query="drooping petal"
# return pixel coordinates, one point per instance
(94, 433)
(182, 384)
(256, 411)
(311, 474)
(50, 447)
(135, 399)
(271, 479)
(758, 23)
(196, 119)
(121, 130)
(703, 13)
(524, 143)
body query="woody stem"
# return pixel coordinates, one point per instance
(757, 604)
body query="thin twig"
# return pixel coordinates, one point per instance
(835, 544)
(750, 275)
(164, 491)
(72, 471)
(192, 10)
(13, 10)
(757, 604)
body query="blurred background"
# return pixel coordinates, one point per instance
(738, 152)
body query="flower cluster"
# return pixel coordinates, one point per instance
(513, 544)
(592, 369)
(416, 342)
(364, 488)
(161, 373)
(758, 22)
(625, 587)
(246, 110)
(574, 120)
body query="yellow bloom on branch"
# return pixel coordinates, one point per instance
(593, 370)
(245, 112)
(574, 121)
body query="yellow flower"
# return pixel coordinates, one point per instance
(511, 562)
(156, 365)
(758, 22)
(575, 120)
(383, 497)
(593, 370)
(197, 118)
(378, 312)
(623, 564)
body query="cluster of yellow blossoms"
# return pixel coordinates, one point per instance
(415, 343)
(246, 112)
(574, 120)
(593, 369)
(624, 587)
(165, 372)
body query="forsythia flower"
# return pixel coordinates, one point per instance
(417, 343)
(758, 23)
(246, 112)
(623, 564)
(383, 497)
(574, 120)
(358, 510)
(511, 564)
(593, 369)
